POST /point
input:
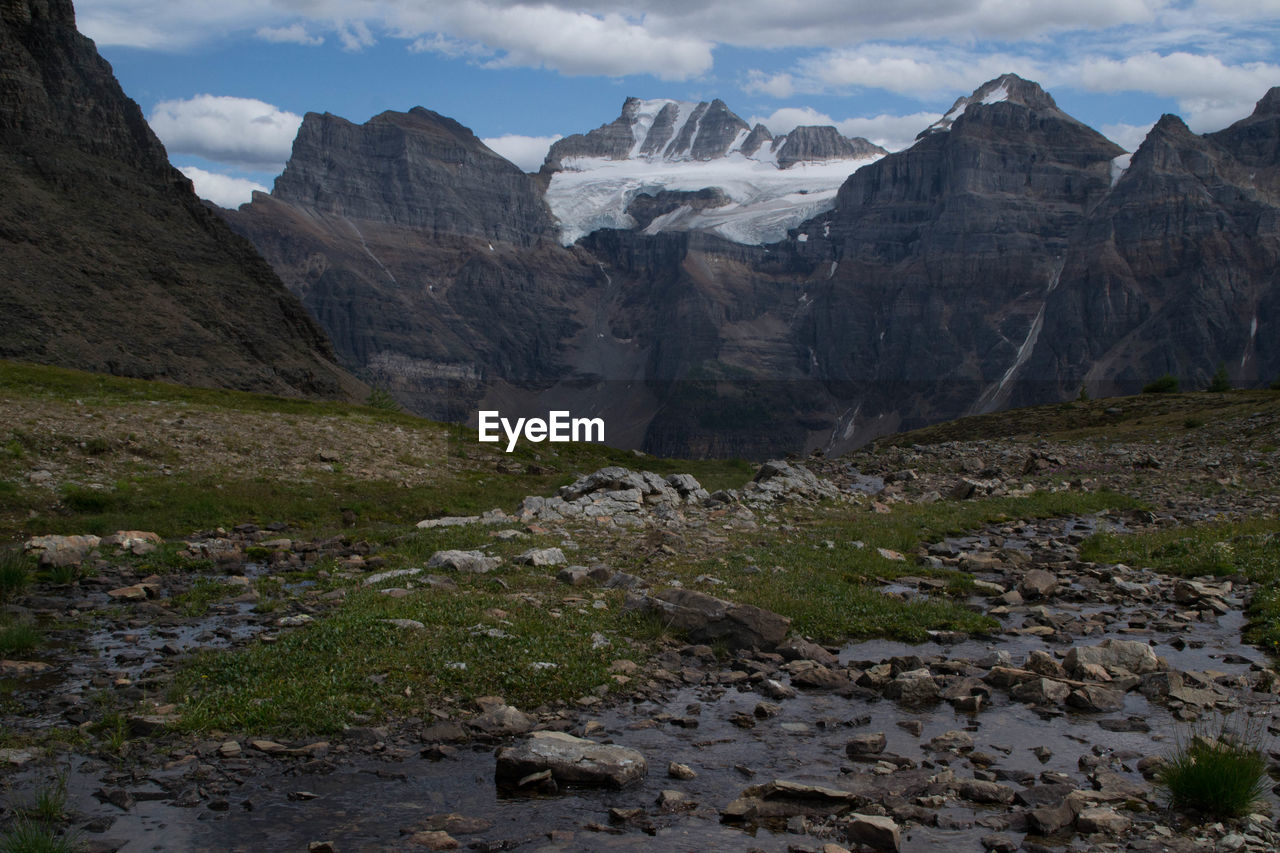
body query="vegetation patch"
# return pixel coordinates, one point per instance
(1250, 548)
(1217, 775)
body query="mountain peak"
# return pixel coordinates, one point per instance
(1006, 87)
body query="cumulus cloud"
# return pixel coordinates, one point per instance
(1127, 136)
(292, 34)
(527, 152)
(240, 131)
(222, 190)
(892, 132)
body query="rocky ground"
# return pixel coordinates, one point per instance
(739, 734)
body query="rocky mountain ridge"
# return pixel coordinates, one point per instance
(108, 260)
(1003, 260)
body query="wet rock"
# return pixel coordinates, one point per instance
(1128, 655)
(17, 757)
(866, 744)
(433, 840)
(681, 771)
(1049, 820)
(952, 741)
(1096, 699)
(474, 562)
(1041, 691)
(981, 791)
(1037, 583)
(879, 833)
(570, 760)
(798, 649)
(1101, 819)
(913, 689)
(707, 619)
(818, 677)
(1042, 663)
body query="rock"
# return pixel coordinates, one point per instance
(707, 619)
(1129, 655)
(322, 847)
(433, 840)
(981, 791)
(406, 624)
(866, 744)
(378, 578)
(463, 561)
(1101, 819)
(1037, 583)
(913, 689)
(681, 771)
(798, 649)
(541, 557)
(61, 550)
(17, 757)
(136, 542)
(952, 741)
(570, 760)
(501, 720)
(818, 677)
(1041, 691)
(877, 832)
(1096, 699)
(574, 576)
(137, 592)
(1049, 820)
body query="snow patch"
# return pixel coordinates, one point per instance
(995, 96)
(765, 201)
(1118, 167)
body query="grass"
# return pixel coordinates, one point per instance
(1249, 548)
(1219, 775)
(15, 573)
(204, 592)
(18, 637)
(25, 835)
(353, 662)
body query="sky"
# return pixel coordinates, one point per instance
(225, 84)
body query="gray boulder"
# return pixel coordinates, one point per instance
(707, 619)
(571, 760)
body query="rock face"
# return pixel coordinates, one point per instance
(418, 170)
(1005, 258)
(810, 143)
(109, 260)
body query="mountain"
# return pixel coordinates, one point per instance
(759, 185)
(108, 260)
(1009, 256)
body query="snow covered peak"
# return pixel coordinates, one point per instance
(1006, 87)
(667, 165)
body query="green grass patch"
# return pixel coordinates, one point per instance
(354, 662)
(1249, 548)
(204, 592)
(825, 572)
(1217, 775)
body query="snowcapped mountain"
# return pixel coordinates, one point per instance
(666, 165)
(1006, 87)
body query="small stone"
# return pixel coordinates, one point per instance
(434, 840)
(230, 749)
(680, 771)
(866, 744)
(1102, 820)
(878, 832)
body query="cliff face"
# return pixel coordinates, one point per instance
(1005, 258)
(417, 170)
(108, 260)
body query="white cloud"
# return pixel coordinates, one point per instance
(780, 86)
(240, 131)
(292, 34)
(1210, 93)
(1127, 136)
(356, 36)
(527, 152)
(222, 190)
(892, 132)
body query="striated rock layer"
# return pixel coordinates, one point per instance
(1005, 258)
(108, 261)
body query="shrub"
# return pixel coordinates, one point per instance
(1167, 384)
(1220, 381)
(382, 399)
(19, 637)
(1217, 776)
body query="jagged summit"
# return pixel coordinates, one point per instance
(666, 165)
(664, 129)
(1006, 87)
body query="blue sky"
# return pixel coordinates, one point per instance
(225, 83)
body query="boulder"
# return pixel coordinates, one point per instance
(875, 831)
(1128, 655)
(707, 619)
(541, 557)
(571, 760)
(474, 562)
